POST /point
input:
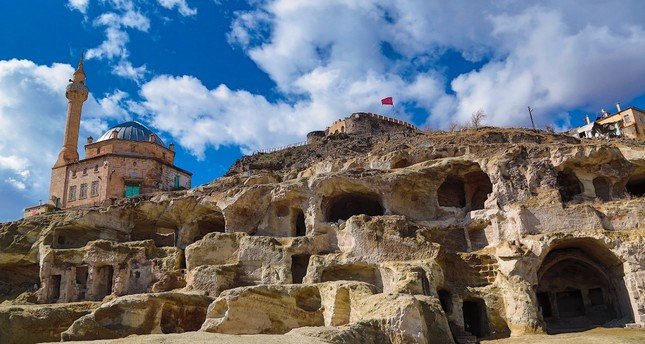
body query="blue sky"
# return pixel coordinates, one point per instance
(224, 78)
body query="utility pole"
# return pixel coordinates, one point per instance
(531, 115)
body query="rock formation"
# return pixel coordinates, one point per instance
(403, 237)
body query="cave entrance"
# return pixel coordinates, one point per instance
(299, 222)
(545, 304)
(401, 164)
(81, 281)
(568, 185)
(299, 264)
(212, 223)
(636, 185)
(353, 272)
(445, 298)
(105, 275)
(581, 286)
(603, 188)
(452, 193)
(470, 190)
(344, 206)
(54, 293)
(475, 320)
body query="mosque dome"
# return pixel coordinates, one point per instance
(131, 131)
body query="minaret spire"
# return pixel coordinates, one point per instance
(79, 73)
(76, 94)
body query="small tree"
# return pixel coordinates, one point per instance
(477, 118)
(454, 126)
(550, 128)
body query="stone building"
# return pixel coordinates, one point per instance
(129, 159)
(362, 123)
(629, 123)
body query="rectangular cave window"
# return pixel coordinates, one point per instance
(81, 281)
(299, 264)
(545, 304)
(54, 294)
(105, 281)
(595, 297)
(300, 225)
(475, 320)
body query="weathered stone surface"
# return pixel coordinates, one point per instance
(406, 318)
(141, 314)
(486, 221)
(27, 324)
(278, 309)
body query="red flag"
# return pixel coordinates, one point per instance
(387, 101)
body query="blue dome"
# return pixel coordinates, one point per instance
(132, 131)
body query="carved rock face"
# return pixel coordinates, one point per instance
(476, 234)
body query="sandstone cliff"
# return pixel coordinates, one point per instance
(405, 237)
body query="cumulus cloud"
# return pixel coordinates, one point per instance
(552, 68)
(332, 58)
(79, 5)
(121, 17)
(114, 47)
(181, 5)
(555, 58)
(32, 120)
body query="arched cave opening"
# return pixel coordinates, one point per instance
(470, 190)
(211, 223)
(452, 192)
(568, 185)
(636, 185)
(603, 188)
(580, 286)
(475, 318)
(344, 206)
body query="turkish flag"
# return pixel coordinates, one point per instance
(387, 101)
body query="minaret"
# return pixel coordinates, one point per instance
(76, 94)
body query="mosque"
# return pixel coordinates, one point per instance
(128, 160)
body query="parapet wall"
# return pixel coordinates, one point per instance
(368, 123)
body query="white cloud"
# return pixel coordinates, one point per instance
(332, 58)
(79, 5)
(181, 5)
(555, 58)
(552, 68)
(125, 69)
(32, 120)
(114, 47)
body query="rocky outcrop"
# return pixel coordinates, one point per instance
(26, 324)
(140, 314)
(400, 238)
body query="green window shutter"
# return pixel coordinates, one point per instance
(132, 190)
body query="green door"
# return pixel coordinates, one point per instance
(132, 190)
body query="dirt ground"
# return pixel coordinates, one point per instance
(595, 336)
